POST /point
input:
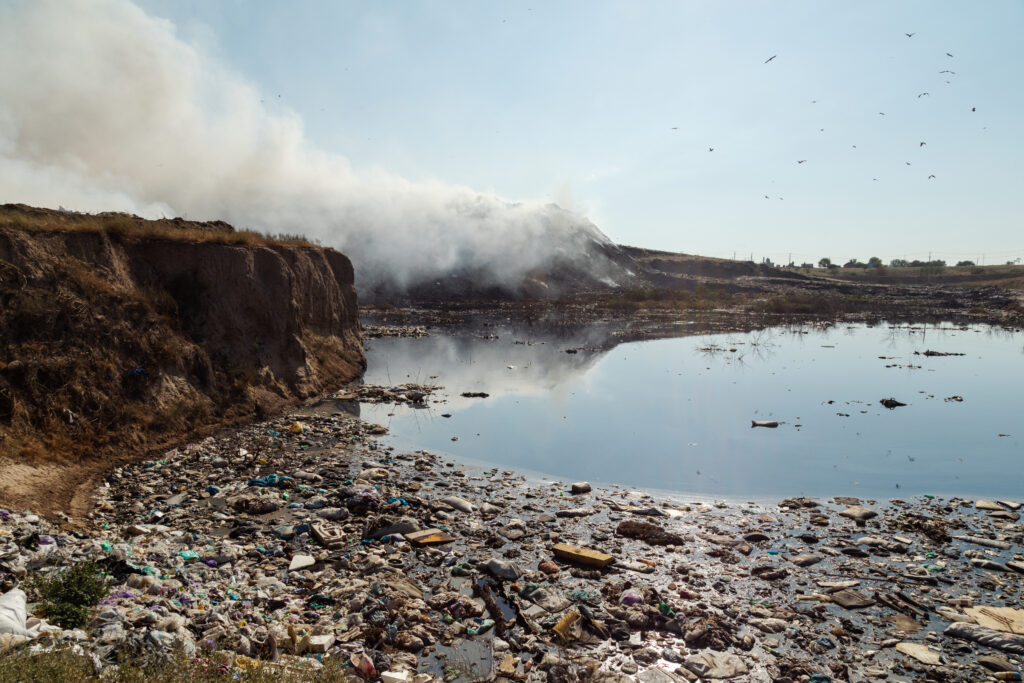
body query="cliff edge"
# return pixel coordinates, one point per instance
(119, 336)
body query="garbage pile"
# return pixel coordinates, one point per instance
(295, 542)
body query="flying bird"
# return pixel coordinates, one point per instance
(947, 71)
(973, 109)
(675, 127)
(907, 163)
(770, 59)
(948, 55)
(930, 177)
(801, 161)
(920, 95)
(921, 144)
(910, 35)
(881, 113)
(711, 149)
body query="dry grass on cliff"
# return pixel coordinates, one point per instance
(125, 226)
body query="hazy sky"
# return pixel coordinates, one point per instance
(611, 108)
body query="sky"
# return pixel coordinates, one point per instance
(664, 123)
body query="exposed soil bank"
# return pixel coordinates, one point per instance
(119, 335)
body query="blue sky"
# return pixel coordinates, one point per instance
(609, 108)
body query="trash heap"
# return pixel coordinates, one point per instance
(300, 541)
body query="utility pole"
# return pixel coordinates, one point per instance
(929, 257)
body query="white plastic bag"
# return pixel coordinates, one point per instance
(12, 612)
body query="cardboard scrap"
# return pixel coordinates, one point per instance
(1006, 619)
(918, 651)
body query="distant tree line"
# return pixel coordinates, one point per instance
(875, 262)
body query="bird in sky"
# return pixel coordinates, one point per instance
(921, 144)
(881, 113)
(948, 55)
(675, 127)
(947, 71)
(801, 161)
(907, 163)
(770, 59)
(930, 177)
(920, 95)
(910, 35)
(711, 149)
(973, 109)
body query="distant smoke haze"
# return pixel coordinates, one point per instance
(103, 107)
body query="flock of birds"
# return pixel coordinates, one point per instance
(922, 143)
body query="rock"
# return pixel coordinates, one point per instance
(334, 514)
(459, 504)
(755, 537)
(386, 526)
(806, 560)
(575, 512)
(716, 665)
(396, 677)
(918, 651)
(983, 563)
(851, 599)
(984, 504)
(580, 487)
(503, 569)
(1016, 566)
(769, 625)
(301, 562)
(1011, 504)
(548, 567)
(769, 572)
(858, 513)
(996, 663)
(648, 533)
(176, 499)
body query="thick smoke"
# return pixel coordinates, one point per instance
(103, 108)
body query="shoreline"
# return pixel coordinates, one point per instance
(712, 590)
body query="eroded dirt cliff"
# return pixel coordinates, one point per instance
(119, 336)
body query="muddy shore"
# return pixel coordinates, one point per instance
(296, 543)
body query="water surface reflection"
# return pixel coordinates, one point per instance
(675, 414)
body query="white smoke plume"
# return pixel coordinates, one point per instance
(104, 108)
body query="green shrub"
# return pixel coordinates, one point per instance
(68, 596)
